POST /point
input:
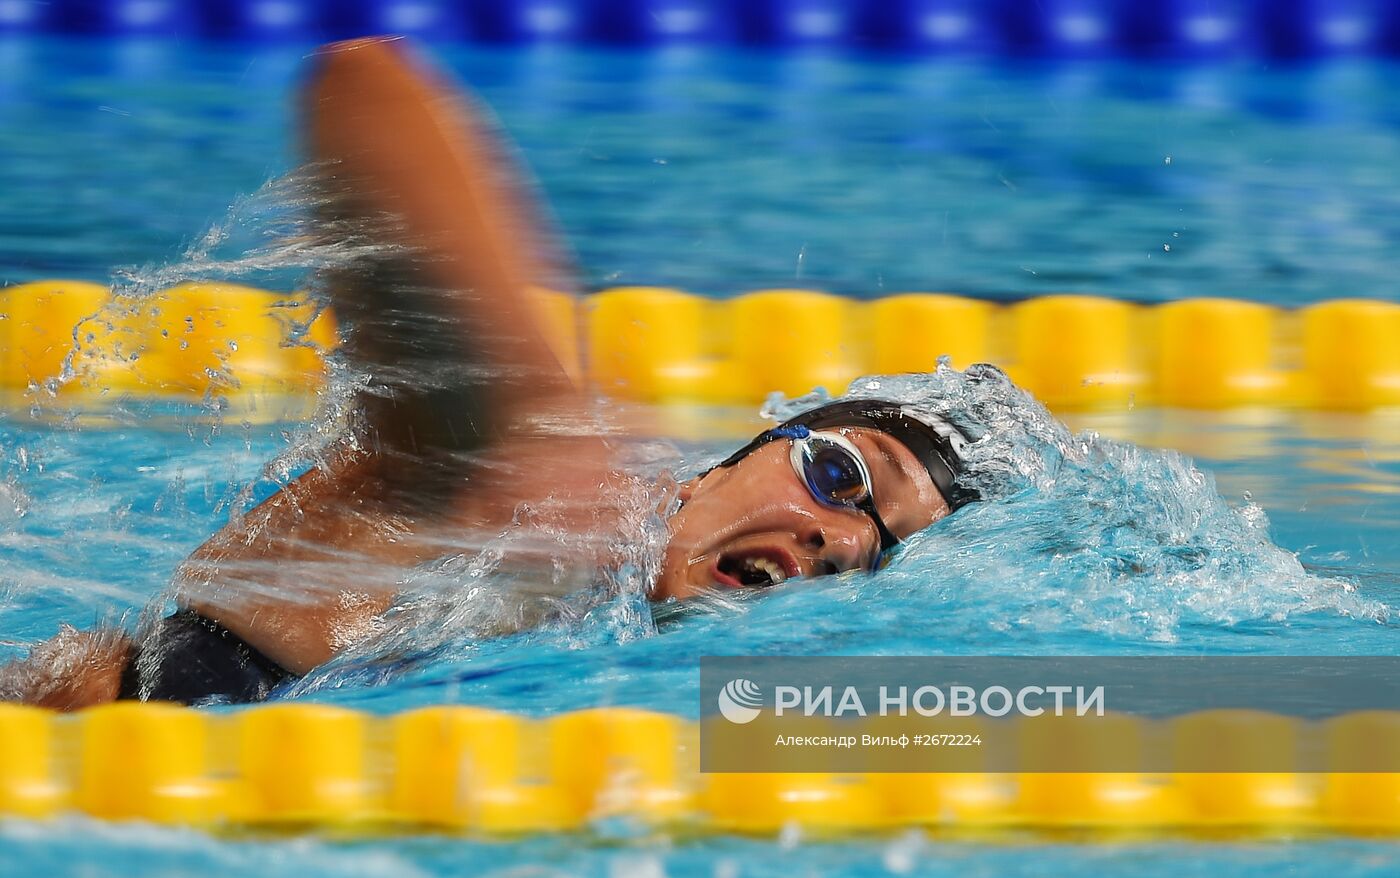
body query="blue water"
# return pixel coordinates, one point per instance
(728, 172)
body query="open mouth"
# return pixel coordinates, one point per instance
(755, 568)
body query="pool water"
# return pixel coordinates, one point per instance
(727, 171)
(723, 172)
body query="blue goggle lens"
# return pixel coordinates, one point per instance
(833, 475)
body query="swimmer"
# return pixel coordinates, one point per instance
(435, 452)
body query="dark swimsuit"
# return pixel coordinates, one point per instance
(191, 658)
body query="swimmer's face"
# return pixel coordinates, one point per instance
(756, 524)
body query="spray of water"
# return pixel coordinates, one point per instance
(1085, 533)
(1082, 543)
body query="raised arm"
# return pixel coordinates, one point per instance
(407, 161)
(459, 366)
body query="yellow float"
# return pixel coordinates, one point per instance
(78, 340)
(294, 766)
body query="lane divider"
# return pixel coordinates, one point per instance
(662, 345)
(1212, 29)
(296, 766)
(185, 342)
(1073, 352)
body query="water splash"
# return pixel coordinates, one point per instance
(1083, 532)
(279, 237)
(1084, 544)
(479, 590)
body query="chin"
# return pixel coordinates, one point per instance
(669, 585)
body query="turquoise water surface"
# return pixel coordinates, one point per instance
(727, 171)
(724, 172)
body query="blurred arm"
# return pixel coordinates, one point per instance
(470, 412)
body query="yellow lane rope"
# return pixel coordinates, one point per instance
(663, 345)
(302, 766)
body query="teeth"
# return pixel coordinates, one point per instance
(775, 573)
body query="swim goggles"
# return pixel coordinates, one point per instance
(837, 475)
(934, 440)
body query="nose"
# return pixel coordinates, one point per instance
(843, 540)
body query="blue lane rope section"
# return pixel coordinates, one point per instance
(1219, 29)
